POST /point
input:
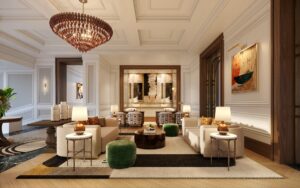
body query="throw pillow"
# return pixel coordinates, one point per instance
(93, 120)
(83, 122)
(215, 122)
(205, 120)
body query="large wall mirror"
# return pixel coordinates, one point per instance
(149, 88)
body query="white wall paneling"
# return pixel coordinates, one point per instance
(43, 101)
(74, 75)
(251, 108)
(1, 80)
(22, 83)
(43, 112)
(45, 84)
(21, 78)
(105, 87)
(90, 83)
(185, 85)
(194, 86)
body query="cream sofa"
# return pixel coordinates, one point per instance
(198, 137)
(101, 136)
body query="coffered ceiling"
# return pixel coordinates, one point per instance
(138, 25)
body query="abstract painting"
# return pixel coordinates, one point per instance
(244, 70)
(79, 91)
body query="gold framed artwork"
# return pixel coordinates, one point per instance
(79, 91)
(244, 70)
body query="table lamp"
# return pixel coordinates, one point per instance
(79, 114)
(186, 109)
(113, 109)
(223, 114)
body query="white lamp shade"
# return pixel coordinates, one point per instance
(114, 108)
(186, 108)
(223, 113)
(79, 113)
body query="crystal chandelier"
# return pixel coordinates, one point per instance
(82, 31)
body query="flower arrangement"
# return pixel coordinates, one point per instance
(5, 96)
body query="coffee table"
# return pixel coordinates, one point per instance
(149, 141)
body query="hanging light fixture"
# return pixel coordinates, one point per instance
(82, 31)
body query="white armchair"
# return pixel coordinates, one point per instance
(205, 143)
(62, 131)
(198, 137)
(101, 136)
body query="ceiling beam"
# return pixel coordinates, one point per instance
(14, 56)
(17, 44)
(26, 37)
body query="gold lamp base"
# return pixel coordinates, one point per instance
(186, 115)
(79, 128)
(223, 128)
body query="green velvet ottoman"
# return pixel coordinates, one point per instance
(121, 153)
(171, 129)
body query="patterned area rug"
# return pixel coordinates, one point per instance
(26, 145)
(176, 160)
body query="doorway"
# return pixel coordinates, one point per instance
(61, 65)
(211, 77)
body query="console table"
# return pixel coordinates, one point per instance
(51, 125)
(3, 140)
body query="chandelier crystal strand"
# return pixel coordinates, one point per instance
(82, 31)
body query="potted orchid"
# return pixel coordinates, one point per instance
(5, 95)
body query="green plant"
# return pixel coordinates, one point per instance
(5, 95)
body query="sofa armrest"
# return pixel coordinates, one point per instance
(111, 122)
(188, 123)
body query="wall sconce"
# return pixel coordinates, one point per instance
(238, 45)
(45, 86)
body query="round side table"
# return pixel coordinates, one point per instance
(228, 137)
(74, 137)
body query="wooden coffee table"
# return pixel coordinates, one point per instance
(51, 125)
(149, 141)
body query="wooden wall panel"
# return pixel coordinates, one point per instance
(283, 80)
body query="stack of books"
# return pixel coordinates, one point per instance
(149, 131)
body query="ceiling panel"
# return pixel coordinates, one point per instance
(118, 37)
(164, 10)
(137, 24)
(16, 9)
(160, 37)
